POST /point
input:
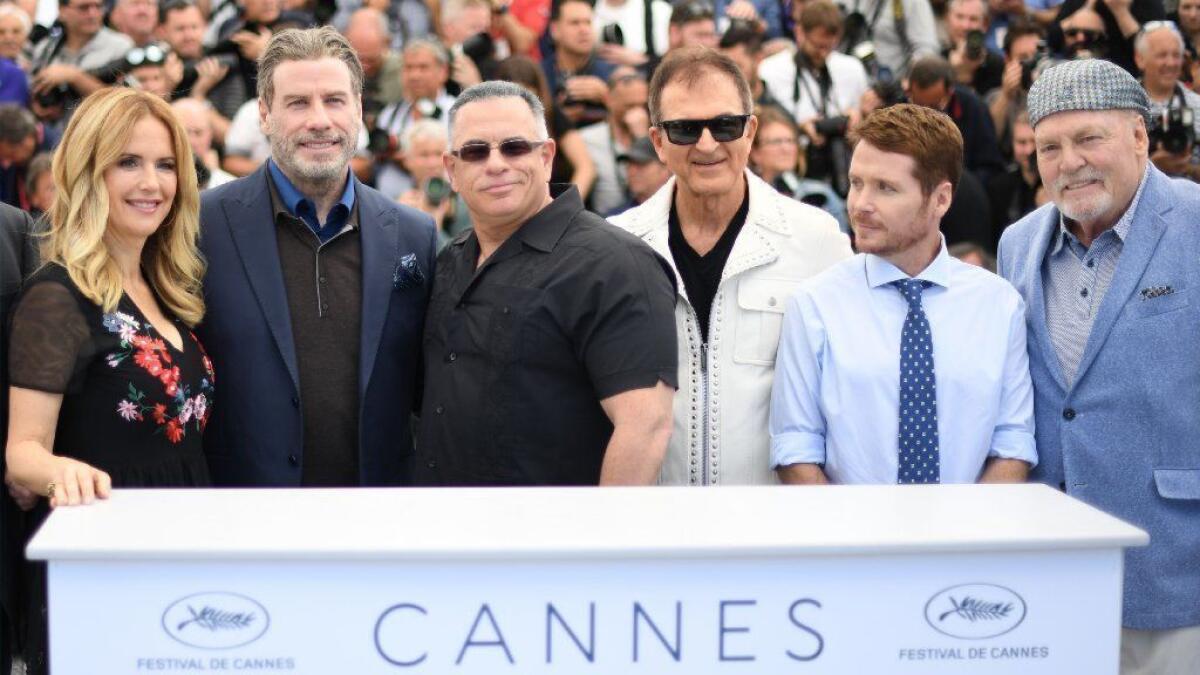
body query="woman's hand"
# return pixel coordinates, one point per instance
(76, 483)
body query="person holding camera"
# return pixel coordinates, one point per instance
(576, 75)
(889, 33)
(632, 32)
(1019, 190)
(423, 76)
(79, 42)
(1023, 50)
(931, 84)
(974, 64)
(628, 120)
(138, 19)
(693, 24)
(206, 78)
(1114, 25)
(422, 145)
(821, 88)
(1158, 51)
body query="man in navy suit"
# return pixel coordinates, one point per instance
(316, 290)
(1106, 272)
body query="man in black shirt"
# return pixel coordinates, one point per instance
(550, 341)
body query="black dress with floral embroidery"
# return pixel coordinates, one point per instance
(133, 405)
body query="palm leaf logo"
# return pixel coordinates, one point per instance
(214, 619)
(973, 609)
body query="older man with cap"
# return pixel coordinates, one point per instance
(1106, 271)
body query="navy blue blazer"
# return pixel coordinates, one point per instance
(254, 437)
(1125, 435)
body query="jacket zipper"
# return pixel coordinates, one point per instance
(704, 390)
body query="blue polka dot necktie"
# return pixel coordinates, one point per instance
(919, 461)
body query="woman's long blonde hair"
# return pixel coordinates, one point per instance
(94, 140)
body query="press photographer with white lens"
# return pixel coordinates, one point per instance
(1158, 51)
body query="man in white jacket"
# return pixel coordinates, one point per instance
(739, 250)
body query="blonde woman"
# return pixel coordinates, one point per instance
(109, 387)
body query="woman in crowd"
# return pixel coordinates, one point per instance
(572, 163)
(775, 156)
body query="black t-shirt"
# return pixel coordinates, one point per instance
(701, 274)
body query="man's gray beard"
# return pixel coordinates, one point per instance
(313, 173)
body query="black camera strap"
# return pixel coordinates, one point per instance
(648, 24)
(58, 35)
(824, 84)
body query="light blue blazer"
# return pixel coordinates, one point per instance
(1125, 437)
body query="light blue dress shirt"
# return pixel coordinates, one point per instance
(836, 397)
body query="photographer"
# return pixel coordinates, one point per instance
(1158, 52)
(1118, 22)
(974, 64)
(897, 31)
(246, 35)
(693, 24)
(576, 75)
(207, 78)
(628, 120)
(424, 72)
(463, 28)
(1018, 190)
(632, 32)
(137, 19)
(1022, 52)
(78, 43)
(368, 33)
(421, 149)
(820, 88)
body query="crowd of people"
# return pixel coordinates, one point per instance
(257, 243)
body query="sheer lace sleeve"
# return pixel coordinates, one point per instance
(49, 333)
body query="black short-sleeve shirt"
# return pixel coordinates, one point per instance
(568, 311)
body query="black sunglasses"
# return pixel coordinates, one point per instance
(724, 129)
(1085, 33)
(479, 151)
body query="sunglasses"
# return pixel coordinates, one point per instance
(1084, 33)
(724, 129)
(479, 151)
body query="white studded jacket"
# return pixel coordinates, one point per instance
(720, 430)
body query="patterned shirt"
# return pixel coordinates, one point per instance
(1076, 278)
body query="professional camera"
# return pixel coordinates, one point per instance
(381, 143)
(865, 53)
(1172, 130)
(832, 127)
(1034, 65)
(225, 59)
(436, 190)
(55, 96)
(612, 35)
(479, 48)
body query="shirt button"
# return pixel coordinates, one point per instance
(1091, 263)
(324, 306)
(295, 402)
(439, 410)
(431, 464)
(321, 279)
(770, 302)
(1084, 292)
(293, 460)
(452, 357)
(1069, 414)
(505, 310)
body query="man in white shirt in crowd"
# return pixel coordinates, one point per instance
(903, 364)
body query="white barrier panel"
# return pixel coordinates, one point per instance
(939, 579)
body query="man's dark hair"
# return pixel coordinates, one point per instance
(1019, 29)
(165, 9)
(40, 164)
(930, 70)
(687, 11)
(742, 35)
(16, 124)
(689, 65)
(557, 5)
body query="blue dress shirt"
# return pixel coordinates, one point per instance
(303, 208)
(836, 397)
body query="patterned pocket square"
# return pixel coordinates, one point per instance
(1155, 291)
(408, 273)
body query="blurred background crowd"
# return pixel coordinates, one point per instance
(816, 67)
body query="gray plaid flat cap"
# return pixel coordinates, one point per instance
(1088, 84)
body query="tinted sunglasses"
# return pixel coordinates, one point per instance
(480, 151)
(1084, 33)
(724, 129)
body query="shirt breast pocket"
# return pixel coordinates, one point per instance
(760, 318)
(509, 332)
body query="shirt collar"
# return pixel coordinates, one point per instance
(546, 227)
(293, 199)
(1121, 229)
(881, 272)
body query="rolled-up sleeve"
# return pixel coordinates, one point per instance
(1013, 437)
(797, 423)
